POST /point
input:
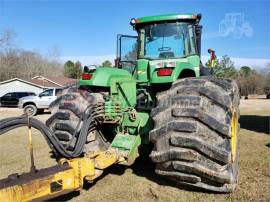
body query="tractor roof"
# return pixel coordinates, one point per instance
(167, 17)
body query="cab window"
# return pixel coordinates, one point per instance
(46, 93)
(58, 91)
(8, 95)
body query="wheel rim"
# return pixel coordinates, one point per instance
(29, 111)
(234, 128)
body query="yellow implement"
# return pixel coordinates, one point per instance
(47, 183)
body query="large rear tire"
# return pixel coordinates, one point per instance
(67, 113)
(196, 142)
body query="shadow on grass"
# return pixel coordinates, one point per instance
(260, 124)
(65, 197)
(142, 167)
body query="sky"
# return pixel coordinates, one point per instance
(86, 30)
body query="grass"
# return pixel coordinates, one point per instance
(139, 182)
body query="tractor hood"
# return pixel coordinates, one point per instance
(104, 76)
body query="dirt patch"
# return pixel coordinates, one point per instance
(6, 112)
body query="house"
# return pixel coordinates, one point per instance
(36, 84)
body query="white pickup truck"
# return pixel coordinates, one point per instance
(32, 105)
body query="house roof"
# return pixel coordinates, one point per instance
(57, 80)
(43, 83)
(46, 82)
(22, 80)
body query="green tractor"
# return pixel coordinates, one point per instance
(160, 97)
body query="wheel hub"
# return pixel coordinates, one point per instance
(29, 111)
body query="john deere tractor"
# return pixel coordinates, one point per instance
(159, 97)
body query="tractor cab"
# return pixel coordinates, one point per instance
(167, 48)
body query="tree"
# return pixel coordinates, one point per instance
(245, 71)
(250, 81)
(68, 66)
(16, 62)
(78, 69)
(106, 63)
(72, 70)
(7, 40)
(243, 80)
(225, 68)
(267, 81)
(266, 71)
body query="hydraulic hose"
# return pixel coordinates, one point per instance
(53, 142)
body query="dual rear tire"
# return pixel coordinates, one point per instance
(66, 119)
(196, 142)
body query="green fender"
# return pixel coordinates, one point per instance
(180, 66)
(103, 77)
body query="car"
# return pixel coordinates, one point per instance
(12, 99)
(32, 105)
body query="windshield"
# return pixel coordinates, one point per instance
(170, 40)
